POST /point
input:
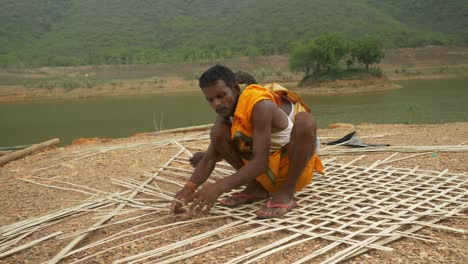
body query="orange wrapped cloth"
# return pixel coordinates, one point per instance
(242, 134)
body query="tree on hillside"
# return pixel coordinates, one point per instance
(331, 50)
(368, 51)
(323, 52)
(300, 60)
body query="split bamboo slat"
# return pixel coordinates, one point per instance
(403, 149)
(349, 197)
(350, 210)
(78, 239)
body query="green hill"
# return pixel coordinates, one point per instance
(449, 18)
(66, 32)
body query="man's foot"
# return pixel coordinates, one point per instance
(275, 210)
(242, 198)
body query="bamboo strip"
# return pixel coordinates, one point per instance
(396, 237)
(119, 235)
(101, 150)
(232, 239)
(416, 155)
(416, 196)
(7, 243)
(294, 236)
(369, 193)
(15, 228)
(126, 243)
(28, 245)
(111, 196)
(407, 149)
(354, 251)
(124, 234)
(184, 149)
(68, 161)
(147, 254)
(183, 129)
(107, 225)
(344, 253)
(78, 239)
(309, 257)
(297, 234)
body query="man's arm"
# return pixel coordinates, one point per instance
(201, 173)
(261, 120)
(205, 167)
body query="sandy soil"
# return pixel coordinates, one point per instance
(21, 200)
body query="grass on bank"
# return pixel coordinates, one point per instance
(157, 77)
(342, 74)
(427, 71)
(71, 78)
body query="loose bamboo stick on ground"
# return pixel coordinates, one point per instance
(77, 240)
(23, 152)
(28, 245)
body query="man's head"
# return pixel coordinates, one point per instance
(244, 78)
(219, 86)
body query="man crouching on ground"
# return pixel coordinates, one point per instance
(266, 133)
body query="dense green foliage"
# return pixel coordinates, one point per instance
(367, 51)
(325, 51)
(66, 32)
(445, 20)
(323, 56)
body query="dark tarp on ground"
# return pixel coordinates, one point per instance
(352, 140)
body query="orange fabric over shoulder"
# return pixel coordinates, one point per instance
(242, 135)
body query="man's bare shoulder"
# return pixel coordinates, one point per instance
(263, 110)
(264, 106)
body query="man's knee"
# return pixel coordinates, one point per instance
(305, 126)
(221, 131)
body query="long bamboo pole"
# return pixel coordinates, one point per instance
(21, 153)
(183, 129)
(4, 152)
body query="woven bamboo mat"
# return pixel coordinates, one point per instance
(346, 212)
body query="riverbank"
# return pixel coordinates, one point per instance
(177, 85)
(71, 83)
(99, 165)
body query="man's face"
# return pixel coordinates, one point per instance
(222, 98)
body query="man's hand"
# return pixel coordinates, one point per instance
(196, 158)
(181, 198)
(203, 200)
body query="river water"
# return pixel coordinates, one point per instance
(418, 102)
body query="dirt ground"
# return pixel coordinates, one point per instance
(20, 200)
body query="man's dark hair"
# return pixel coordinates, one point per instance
(244, 78)
(218, 72)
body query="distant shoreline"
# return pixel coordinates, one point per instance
(20, 94)
(87, 82)
(326, 88)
